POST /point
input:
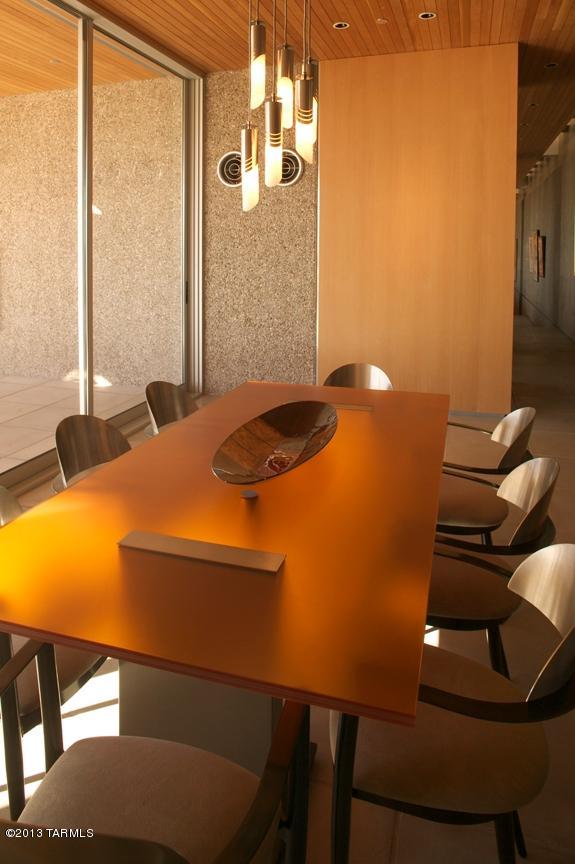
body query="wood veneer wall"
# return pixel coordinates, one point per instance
(417, 210)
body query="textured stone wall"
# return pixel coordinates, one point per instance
(259, 267)
(38, 234)
(137, 237)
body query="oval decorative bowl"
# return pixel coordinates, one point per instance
(275, 442)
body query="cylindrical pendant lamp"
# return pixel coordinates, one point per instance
(250, 167)
(257, 63)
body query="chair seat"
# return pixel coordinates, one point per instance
(71, 664)
(448, 761)
(466, 507)
(185, 798)
(468, 593)
(466, 447)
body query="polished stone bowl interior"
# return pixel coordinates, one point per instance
(275, 442)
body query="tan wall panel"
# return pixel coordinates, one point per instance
(417, 192)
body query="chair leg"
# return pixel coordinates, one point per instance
(519, 838)
(296, 841)
(12, 738)
(486, 538)
(505, 838)
(50, 704)
(496, 650)
(342, 789)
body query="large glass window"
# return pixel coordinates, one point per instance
(135, 295)
(137, 239)
(38, 286)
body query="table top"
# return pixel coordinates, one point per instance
(340, 625)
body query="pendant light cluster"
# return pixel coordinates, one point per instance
(281, 108)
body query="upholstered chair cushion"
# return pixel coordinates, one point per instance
(449, 761)
(182, 797)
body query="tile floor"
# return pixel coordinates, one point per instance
(31, 408)
(543, 377)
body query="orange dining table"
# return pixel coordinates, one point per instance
(340, 625)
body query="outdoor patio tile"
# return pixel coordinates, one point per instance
(35, 449)
(71, 400)
(39, 395)
(110, 398)
(23, 381)
(9, 409)
(13, 438)
(45, 418)
(9, 389)
(7, 463)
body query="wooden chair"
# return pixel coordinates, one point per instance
(74, 668)
(468, 593)
(167, 403)
(158, 802)
(84, 442)
(469, 448)
(363, 375)
(472, 506)
(477, 752)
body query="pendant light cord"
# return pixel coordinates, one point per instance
(304, 35)
(285, 22)
(309, 30)
(274, 89)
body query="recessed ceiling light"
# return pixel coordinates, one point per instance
(551, 65)
(341, 25)
(381, 20)
(427, 16)
(55, 61)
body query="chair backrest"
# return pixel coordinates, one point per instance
(363, 375)
(10, 508)
(168, 403)
(514, 431)
(83, 442)
(530, 487)
(547, 580)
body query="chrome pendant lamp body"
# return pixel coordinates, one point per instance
(285, 65)
(274, 129)
(304, 131)
(249, 139)
(250, 167)
(257, 60)
(306, 95)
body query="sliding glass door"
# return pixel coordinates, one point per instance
(137, 226)
(38, 288)
(95, 216)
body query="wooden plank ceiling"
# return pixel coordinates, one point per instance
(38, 51)
(211, 35)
